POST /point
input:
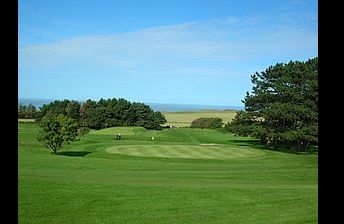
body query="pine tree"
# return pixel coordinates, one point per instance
(282, 109)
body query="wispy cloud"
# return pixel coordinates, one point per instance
(218, 54)
(200, 48)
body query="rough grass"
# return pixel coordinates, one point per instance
(184, 119)
(87, 184)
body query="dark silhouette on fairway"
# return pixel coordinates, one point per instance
(74, 153)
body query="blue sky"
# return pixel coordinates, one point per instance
(189, 52)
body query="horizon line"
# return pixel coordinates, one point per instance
(82, 100)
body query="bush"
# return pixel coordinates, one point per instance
(212, 123)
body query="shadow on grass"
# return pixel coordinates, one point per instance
(256, 143)
(74, 153)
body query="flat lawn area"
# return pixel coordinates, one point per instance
(184, 119)
(183, 176)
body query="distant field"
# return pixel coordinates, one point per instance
(184, 119)
(26, 120)
(179, 119)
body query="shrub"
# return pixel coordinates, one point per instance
(212, 123)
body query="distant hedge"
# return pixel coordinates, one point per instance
(212, 123)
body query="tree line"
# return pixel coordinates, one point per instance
(27, 111)
(99, 114)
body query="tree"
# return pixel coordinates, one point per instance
(27, 112)
(282, 109)
(212, 123)
(159, 118)
(65, 107)
(57, 130)
(73, 110)
(87, 114)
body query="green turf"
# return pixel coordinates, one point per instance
(88, 184)
(185, 151)
(119, 130)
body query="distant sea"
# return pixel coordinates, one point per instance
(166, 107)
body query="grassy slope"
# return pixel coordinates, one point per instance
(89, 185)
(184, 119)
(119, 130)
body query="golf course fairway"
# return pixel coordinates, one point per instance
(194, 176)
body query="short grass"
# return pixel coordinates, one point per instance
(170, 181)
(118, 130)
(184, 119)
(185, 151)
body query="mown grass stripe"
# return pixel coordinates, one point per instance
(184, 151)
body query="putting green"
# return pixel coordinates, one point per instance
(185, 151)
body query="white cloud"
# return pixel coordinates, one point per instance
(200, 48)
